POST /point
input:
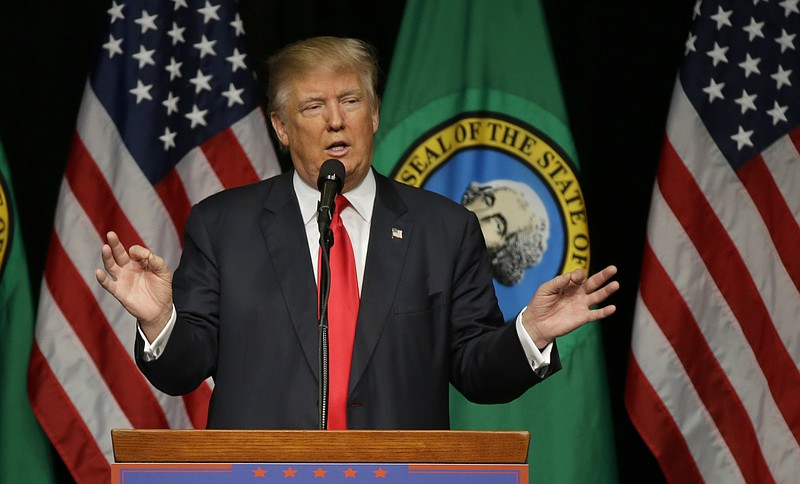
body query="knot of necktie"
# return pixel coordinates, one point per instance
(341, 203)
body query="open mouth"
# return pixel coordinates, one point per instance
(339, 147)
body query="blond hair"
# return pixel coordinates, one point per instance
(333, 53)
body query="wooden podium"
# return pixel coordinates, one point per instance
(254, 456)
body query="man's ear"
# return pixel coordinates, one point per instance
(279, 127)
(375, 121)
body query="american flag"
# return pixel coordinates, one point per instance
(713, 382)
(169, 116)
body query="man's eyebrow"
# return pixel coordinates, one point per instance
(321, 97)
(350, 92)
(310, 98)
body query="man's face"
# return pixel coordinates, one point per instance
(328, 115)
(501, 213)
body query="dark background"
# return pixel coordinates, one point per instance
(617, 61)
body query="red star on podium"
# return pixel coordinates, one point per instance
(379, 473)
(320, 473)
(259, 472)
(350, 473)
(289, 472)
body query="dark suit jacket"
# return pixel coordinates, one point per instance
(247, 314)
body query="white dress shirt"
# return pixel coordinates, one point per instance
(357, 219)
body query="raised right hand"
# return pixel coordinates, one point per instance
(140, 281)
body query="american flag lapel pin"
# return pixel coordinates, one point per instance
(397, 233)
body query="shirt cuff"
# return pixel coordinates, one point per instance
(538, 359)
(153, 350)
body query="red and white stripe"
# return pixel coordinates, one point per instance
(83, 381)
(713, 382)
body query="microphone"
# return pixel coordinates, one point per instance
(330, 183)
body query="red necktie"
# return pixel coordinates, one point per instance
(342, 314)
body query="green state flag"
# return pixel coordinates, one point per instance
(25, 454)
(473, 110)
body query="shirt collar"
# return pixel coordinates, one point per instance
(361, 197)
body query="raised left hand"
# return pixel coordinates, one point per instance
(563, 304)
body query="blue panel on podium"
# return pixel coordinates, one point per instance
(319, 473)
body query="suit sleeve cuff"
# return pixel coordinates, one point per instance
(152, 351)
(539, 360)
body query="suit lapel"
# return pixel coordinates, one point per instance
(284, 234)
(385, 259)
(282, 227)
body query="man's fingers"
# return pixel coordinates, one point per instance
(578, 276)
(117, 249)
(600, 278)
(114, 254)
(603, 293)
(101, 277)
(560, 282)
(601, 313)
(138, 253)
(108, 283)
(144, 256)
(109, 262)
(115, 257)
(147, 258)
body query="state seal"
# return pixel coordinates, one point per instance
(521, 186)
(6, 224)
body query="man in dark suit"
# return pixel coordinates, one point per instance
(242, 307)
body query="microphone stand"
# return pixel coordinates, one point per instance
(325, 244)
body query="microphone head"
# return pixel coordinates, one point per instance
(331, 170)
